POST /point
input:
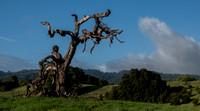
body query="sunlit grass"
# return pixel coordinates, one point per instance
(184, 84)
(100, 91)
(195, 85)
(14, 92)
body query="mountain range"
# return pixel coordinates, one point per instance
(111, 77)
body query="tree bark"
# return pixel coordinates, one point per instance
(61, 86)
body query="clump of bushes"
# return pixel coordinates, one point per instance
(195, 102)
(179, 95)
(197, 89)
(25, 82)
(147, 86)
(140, 85)
(9, 83)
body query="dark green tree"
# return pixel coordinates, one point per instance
(11, 82)
(140, 85)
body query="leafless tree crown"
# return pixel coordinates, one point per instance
(97, 33)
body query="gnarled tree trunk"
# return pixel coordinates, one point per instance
(64, 72)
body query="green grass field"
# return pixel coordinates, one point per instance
(9, 101)
(82, 104)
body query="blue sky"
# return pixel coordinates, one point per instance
(24, 41)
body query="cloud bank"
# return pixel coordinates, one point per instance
(10, 63)
(175, 53)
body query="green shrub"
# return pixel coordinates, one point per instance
(2, 88)
(175, 100)
(25, 82)
(140, 85)
(10, 83)
(195, 102)
(179, 95)
(185, 98)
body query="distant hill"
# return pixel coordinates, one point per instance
(115, 77)
(175, 76)
(111, 77)
(22, 75)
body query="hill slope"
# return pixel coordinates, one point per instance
(81, 103)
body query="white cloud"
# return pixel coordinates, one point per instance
(175, 53)
(6, 39)
(10, 63)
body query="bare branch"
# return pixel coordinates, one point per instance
(119, 32)
(111, 40)
(92, 48)
(103, 14)
(118, 39)
(84, 45)
(106, 29)
(76, 18)
(83, 20)
(97, 22)
(49, 28)
(94, 15)
(61, 32)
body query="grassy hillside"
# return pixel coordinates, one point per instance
(194, 86)
(13, 93)
(185, 84)
(85, 102)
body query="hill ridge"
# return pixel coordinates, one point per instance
(111, 77)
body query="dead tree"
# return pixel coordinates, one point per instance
(100, 31)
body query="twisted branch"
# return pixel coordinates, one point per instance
(98, 30)
(93, 45)
(102, 14)
(76, 18)
(84, 45)
(61, 32)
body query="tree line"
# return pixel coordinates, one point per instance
(111, 77)
(76, 76)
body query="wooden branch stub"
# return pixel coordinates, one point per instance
(76, 18)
